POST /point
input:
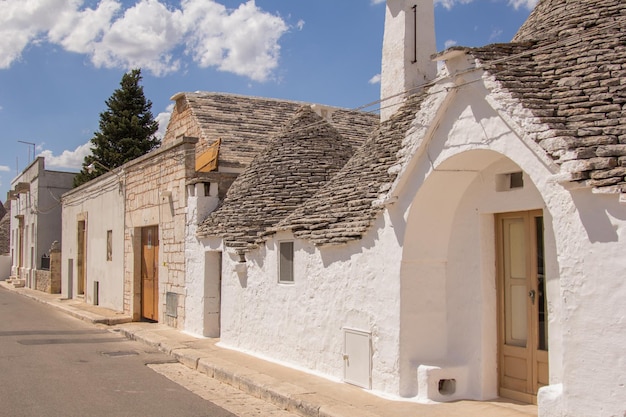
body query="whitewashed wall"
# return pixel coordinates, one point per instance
(451, 188)
(101, 204)
(301, 324)
(40, 209)
(202, 269)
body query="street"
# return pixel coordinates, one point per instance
(54, 365)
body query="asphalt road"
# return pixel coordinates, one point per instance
(54, 365)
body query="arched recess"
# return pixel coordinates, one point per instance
(449, 304)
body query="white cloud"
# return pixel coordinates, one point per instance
(378, 1)
(495, 34)
(448, 4)
(529, 4)
(375, 79)
(300, 24)
(143, 37)
(449, 43)
(163, 119)
(4, 168)
(68, 159)
(22, 21)
(77, 31)
(243, 41)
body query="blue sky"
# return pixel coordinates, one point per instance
(61, 59)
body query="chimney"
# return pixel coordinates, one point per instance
(408, 43)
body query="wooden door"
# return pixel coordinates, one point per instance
(150, 273)
(522, 305)
(20, 244)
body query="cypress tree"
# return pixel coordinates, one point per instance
(126, 131)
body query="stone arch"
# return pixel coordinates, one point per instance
(448, 297)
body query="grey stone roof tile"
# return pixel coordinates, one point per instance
(245, 124)
(304, 155)
(342, 210)
(573, 84)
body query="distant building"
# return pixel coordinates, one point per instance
(5, 242)
(35, 198)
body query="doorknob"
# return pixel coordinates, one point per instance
(531, 294)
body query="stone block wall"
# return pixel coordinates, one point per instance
(50, 281)
(42, 280)
(181, 122)
(155, 190)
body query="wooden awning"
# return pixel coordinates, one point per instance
(22, 187)
(207, 161)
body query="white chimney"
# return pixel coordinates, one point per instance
(408, 43)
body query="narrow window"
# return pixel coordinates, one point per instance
(414, 34)
(109, 245)
(285, 264)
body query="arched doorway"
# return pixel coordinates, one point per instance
(450, 315)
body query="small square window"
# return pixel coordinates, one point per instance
(516, 180)
(109, 245)
(285, 262)
(510, 181)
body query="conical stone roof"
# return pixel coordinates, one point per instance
(302, 157)
(553, 19)
(568, 66)
(575, 88)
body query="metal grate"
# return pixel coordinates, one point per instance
(171, 304)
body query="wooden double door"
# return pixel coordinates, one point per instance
(150, 273)
(522, 305)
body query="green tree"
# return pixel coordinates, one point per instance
(126, 132)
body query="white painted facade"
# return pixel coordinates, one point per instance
(422, 281)
(202, 269)
(408, 43)
(98, 207)
(35, 217)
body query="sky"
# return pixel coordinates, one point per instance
(61, 59)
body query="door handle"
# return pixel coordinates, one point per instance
(532, 294)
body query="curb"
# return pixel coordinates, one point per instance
(282, 394)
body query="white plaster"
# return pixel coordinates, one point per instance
(101, 204)
(202, 272)
(301, 323)
(406, 65)
(40, 209)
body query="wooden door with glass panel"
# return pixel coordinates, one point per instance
(522, 305)
(150, 273)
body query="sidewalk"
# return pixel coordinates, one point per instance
(293, 390)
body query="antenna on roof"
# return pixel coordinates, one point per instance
(29, 143)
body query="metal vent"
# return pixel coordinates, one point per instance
(171, 304)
